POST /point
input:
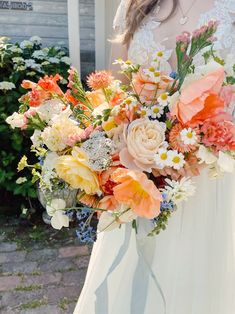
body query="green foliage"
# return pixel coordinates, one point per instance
(18, 62)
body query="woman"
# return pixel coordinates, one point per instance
(190, 267)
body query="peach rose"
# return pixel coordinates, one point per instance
(200, 100)
(143, 139)
(135, 190)
(149, 90)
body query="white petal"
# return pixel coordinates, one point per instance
(59, 220)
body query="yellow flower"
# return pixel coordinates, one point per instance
(75, 170)
(22, 163)
(109, 125)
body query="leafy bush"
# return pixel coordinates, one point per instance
(18, 62)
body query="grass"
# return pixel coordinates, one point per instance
(28, 288)
(33, 304)
(64, 303)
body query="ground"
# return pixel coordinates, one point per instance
(42, 271)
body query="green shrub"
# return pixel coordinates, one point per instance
(18, 62)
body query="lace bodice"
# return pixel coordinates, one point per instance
(145, 43)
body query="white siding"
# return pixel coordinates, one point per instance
(47, 20)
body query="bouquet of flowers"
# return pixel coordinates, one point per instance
(131, 150)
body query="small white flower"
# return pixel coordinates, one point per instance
(26, 44)
(21, 180)
(66, 60)
(56, 209)
(178, 191)
(18, 60)
(188, 136)
(125, 65)
(206, 156)
(36, 39)
(163, 99)
(130, 102)
(176, 159)
(226, 162)
(153, 74)
(15, 49)
(4, 85)
(54, 60)
(39, 54)
(161, 55)
(145, 112)
(156, 111)
(162, 158)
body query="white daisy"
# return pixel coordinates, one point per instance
(153, 74)
(144, 112)
(188, 136)
(176, 159)
(163, 99)
(130, 102)
(162, 158)
(178, 191)
(156, 111)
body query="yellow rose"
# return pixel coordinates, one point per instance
(74, 169)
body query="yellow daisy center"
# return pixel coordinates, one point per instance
(157, 74)
(176, 159)
(163, 156)
(151, 69)
(128, 101)
(128, 62)
(156, 110)
(164, 96)
(160, 54)
(189, 134)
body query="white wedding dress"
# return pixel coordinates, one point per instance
(190, 267)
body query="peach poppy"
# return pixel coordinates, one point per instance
(105, 180)
(149, 90)
(108, 202)
(135, 190)
(200, 100)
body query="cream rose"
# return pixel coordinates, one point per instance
(143, 139)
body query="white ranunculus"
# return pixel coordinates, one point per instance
(16, 120)
(226, 162)
(206, 156)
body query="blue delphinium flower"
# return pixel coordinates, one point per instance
(173, 75)
(85, 232)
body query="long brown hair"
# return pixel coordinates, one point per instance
(136, 12)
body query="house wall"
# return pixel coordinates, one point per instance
(49, 20)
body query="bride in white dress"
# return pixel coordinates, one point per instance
(190, 267)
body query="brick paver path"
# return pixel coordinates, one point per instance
(41, 280)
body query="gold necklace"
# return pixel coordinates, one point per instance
(184, 18)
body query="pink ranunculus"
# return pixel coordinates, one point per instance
(219, 133)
